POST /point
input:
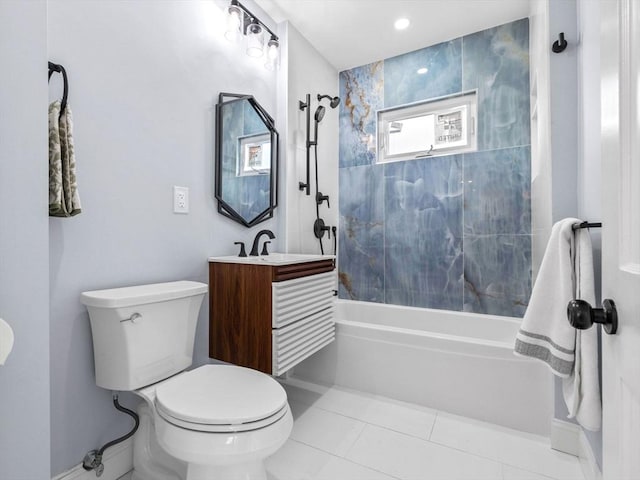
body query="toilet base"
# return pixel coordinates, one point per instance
(150, 460)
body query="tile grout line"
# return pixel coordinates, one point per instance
(375, 424)
(346, 459)
(433, 426)
(477, 455)
(355, 441)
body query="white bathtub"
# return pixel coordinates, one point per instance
(457, 362)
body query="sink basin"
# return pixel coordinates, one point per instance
(273, 259)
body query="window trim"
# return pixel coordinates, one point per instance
(445, 104)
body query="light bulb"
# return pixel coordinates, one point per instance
(234, 20)
(255, 40)
(272, 49)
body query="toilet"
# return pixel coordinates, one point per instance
(212, 422)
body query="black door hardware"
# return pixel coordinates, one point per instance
(581, 315)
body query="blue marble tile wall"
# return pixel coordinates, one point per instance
(450, 232)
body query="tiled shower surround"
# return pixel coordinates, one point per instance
(450, 232)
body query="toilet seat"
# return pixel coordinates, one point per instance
(221, 398)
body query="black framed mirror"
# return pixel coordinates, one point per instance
(246, 184)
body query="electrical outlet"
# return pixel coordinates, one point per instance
(180, 200)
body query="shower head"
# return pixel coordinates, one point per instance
(333, 101)
(319, 115)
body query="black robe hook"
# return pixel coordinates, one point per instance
(54, 67)
(560, 44)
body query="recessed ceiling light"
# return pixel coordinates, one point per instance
(422, 71)
(401, 23)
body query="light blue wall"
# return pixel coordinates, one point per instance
(24, 266)
(144, 80)
(450, 232)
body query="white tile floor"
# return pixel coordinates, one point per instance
(346, 435)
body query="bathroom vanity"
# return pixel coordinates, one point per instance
(270, 312)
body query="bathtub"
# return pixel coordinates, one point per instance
(460, 363)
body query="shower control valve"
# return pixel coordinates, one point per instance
(319, 228)
(321, 198)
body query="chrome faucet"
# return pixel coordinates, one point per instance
(256, 241)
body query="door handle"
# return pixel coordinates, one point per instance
(581, 315)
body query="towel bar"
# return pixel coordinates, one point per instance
(578, 226)
(581, 315)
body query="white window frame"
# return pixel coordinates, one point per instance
(466, 103)
(262, 141)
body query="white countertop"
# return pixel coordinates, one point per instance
(273, 259)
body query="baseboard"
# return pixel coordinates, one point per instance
(570, 438)
(117, 461)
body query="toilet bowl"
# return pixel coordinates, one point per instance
(217, 421)
(212, 422)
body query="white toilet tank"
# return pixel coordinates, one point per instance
(143, 334)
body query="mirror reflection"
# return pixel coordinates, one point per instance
(246, 159)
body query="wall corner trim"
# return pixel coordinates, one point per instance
(570, 438)
(118, 460)
(588, 462)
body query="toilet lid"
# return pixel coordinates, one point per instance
(221, 395)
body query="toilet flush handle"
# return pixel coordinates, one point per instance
(132, 318)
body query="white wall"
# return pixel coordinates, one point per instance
(541, 152)
(589, 145)
(564, 109)
(24, 282)
(144, 80)
(309, 72)
(575, 114)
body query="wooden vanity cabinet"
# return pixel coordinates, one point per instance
(270, 317)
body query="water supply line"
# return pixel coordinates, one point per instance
(93, 459)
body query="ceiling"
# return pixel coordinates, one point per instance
(349, 33)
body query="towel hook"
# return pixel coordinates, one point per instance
(581, 315)
(560, 44)
(54, 67)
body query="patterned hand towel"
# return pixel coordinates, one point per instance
(64, 200)
(545, 334)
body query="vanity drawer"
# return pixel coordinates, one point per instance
(297, 341)
(297, 270)
(294, 300)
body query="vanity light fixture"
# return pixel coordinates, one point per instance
(241, 22)
(234, 23)
(272, 53)
(401, 24)
(255, 40)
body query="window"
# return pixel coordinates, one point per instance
(439, 127)
(254, 155)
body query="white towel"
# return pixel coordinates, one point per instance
(582, 389)
(545, 334)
